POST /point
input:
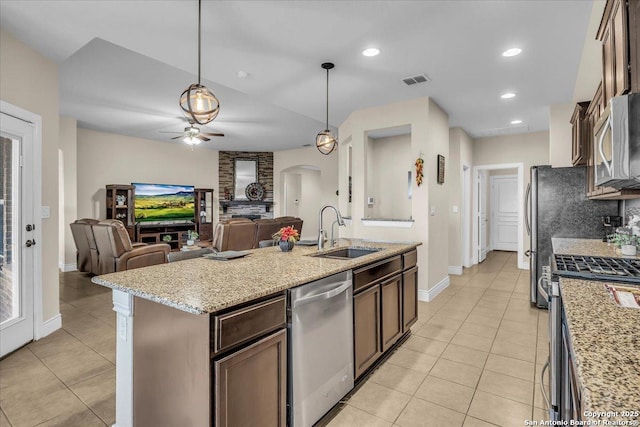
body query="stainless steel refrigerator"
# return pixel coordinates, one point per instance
(557, 206)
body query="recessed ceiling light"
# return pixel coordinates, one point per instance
(372, 51)
(512, 52)
(508, 95)
(516, 122)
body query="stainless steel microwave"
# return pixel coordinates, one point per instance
(616, 143)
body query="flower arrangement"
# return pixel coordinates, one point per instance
(192, 235)
(287, 234)
(419, 170)
(620, 239)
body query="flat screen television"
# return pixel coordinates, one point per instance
(162, 202)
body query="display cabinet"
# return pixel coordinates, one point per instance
(120, 201)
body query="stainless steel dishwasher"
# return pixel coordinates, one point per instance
(320, 347)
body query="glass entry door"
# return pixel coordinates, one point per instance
(16, 234)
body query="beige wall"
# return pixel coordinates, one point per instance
(429, 137)
(460, 154)
(69, 190)
(527, 148)
(590, 68)
(391, 159)
(560, 135)
(302, 186)
(30, 81)
(327, 166)
(105, 158)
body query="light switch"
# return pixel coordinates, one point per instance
(433, 211)
(454, 209)
(45, 212)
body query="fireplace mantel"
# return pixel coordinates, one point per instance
(226, 203)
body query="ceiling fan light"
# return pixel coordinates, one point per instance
(199, 104)
(191, 140)
(325, 142)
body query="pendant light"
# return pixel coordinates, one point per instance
(197, 102)
(325, 141)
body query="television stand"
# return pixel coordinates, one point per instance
(172, 232)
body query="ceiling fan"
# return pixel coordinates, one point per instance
(192, 134)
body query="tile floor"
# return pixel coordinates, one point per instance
(471, 360)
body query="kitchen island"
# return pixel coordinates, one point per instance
(604, 341)
(194, 336)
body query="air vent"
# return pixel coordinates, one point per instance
(501, 131)
(420, 78)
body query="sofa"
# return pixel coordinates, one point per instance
(238, 234)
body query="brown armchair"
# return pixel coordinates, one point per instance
(116, 253)
(87, 252)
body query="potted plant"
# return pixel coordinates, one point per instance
(192, 236)
(286, 238)
(166, 238)
(624, 240)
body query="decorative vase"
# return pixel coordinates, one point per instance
(629, 250)
(285, 245)
(191, 242)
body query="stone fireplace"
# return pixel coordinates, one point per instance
(245, 208)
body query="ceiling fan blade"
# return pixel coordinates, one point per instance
(203, 138)
(177, 137)
(212, 133)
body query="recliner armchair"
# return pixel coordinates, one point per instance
(116, 253)
(86, 249)
(237, 234)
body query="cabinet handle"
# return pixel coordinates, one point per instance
(544, 392)
(601, 147)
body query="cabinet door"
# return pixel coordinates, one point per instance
(391, 294)
(409, 298)
(366, 323)
(251, 384)
(608, 64)
(621, 44)
(579, 138)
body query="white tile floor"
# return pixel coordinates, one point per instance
(470, 361)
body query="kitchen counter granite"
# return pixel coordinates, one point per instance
(201, 285)
(586, 247)
(605, 340)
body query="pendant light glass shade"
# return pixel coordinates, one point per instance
(326, 143)
(197, 102)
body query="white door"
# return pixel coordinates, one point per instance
(16, 240)
(482, 215)
(504, 212)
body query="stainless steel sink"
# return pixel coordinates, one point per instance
(347, 253)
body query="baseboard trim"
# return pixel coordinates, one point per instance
(430, 294)
(456, 270)
(68, 267)
(50, 326)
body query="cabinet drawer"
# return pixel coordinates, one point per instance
(409, 259)
(371, 273)
(236, 327)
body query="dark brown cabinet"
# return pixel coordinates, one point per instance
(409, 298)
(251, 384)
(391, 307)
(120, 200)
(579, 134)
(204, 213)
(385, 305)
(366, 320)
(619, 32)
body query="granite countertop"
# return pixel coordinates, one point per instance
(586, 247)
(201, 285)
(605, 340)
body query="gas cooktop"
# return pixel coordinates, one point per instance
(597, 268)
